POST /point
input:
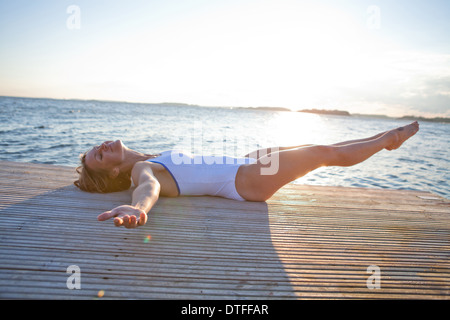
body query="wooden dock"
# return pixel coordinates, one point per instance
(306, 242)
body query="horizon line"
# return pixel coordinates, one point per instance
(230, 107)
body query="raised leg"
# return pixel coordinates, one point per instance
(252, 184)
(264, 151)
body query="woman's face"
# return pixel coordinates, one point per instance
(106, 156)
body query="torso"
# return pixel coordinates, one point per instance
(181, 173)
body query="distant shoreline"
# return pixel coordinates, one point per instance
(348, 114)
(331, 112)
(313, 111)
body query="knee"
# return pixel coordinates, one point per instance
(326, 155)
(336, 156)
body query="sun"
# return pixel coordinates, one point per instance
(288, 54)
(296, 128)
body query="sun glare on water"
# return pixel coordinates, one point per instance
(296, 128)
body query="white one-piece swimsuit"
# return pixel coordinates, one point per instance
(198, 175)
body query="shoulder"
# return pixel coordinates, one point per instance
(142, 165)
(142, 170)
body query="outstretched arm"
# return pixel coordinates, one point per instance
(144, 197)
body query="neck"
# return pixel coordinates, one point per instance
(131, 157)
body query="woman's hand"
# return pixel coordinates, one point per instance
(126, 215)
(144, 197)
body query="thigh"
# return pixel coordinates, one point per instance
(260, 180)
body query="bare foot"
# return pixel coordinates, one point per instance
(401, 134)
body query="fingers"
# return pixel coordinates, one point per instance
(142, 219)
(123, 220)
(118, 221)
(127, 216)
(130, 221)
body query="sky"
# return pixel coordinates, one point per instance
(372, 57)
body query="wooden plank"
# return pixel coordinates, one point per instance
(306, 242)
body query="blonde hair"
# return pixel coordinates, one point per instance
(101, 182)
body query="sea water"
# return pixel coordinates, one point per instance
(58, 131)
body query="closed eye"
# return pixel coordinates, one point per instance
(99, 155)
